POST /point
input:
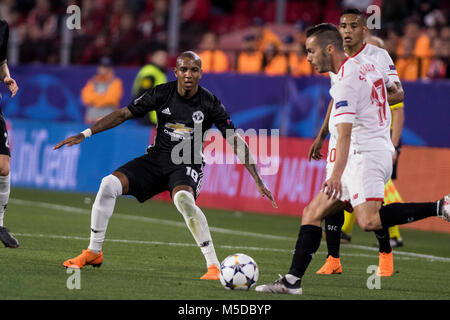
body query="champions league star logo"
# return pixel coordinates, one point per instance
(198, 117)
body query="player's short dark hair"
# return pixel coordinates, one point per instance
(326, 33)
(354, 11)
(190, 55)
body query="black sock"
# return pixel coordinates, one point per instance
(383, 240)
(333, 226)
(401, 213)
(308, 242)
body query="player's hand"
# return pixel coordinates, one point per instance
(314, 150)
(70, 141)
(12, 85)
(262, 188)
(332, 188)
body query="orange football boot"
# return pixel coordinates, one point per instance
(331, 266)
(87, 257)
(212, 273)
(385, 265)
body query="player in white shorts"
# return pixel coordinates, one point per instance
(352, 28)
(359, 125)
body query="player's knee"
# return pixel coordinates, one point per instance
(185, 203)
(368, 223)
(110, 186)
(4, 169)
(310, 214)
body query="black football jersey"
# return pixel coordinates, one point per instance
(180, 119)
(4, 36)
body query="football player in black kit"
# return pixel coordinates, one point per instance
(182, 107)
(5, 181)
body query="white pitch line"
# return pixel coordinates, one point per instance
(70, 209)
(181, 244)
(64, 208)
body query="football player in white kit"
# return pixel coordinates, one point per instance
(353, 29)
(360, 155)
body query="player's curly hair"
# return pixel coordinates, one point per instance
(326, 33)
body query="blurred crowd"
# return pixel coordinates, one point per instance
(230, 35)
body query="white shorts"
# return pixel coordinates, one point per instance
(365, 176)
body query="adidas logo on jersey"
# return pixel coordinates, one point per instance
(166, 111)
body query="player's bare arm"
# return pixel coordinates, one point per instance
(316, 147)
(333, 186)
(242, 151)
(6, 78)
(110, 121)
(395, 93)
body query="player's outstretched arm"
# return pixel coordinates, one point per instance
(316, 147)
(110, 121)
(242, 151)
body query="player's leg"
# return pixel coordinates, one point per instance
(347, 228)
(138, 178)
(307, 244)
(182, 183)
(367, 215)
(111, 187)
(183, 198)
(5, 185)
(333, 225)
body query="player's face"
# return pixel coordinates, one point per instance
(188, 73)
(316, 56)
(352, 29)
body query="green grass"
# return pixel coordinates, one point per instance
(150, 254)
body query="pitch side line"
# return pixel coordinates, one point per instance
(181, 244)
(70, 209)
(64, 208)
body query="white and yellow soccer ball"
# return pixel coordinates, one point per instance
(238, 272)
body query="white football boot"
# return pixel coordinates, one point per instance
(281, 286)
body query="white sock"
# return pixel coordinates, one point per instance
(197, 224)
(291, 278)
(102, 210)
(5, 183)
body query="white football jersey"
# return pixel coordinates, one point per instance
(382, 58)
(360, 97)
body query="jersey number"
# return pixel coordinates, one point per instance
(378, 97)
(333, 155)
(192, 173)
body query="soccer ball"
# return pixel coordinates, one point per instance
(238, 272)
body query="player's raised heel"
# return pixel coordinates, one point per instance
(444, 208)
(87, 257)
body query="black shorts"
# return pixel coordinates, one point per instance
(4, 142)
(154, 173)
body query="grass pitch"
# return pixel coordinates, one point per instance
(150, 254)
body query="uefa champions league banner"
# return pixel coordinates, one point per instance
(226, 183)
(295, 106)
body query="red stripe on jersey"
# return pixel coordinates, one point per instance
(339, 114)
(362, 48)
(375, 199)
(342, 64)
